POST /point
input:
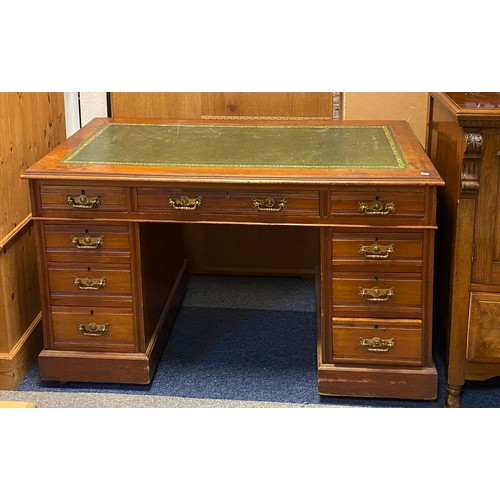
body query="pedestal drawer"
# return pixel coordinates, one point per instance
(96, 329)
(385, 251)
(382, 295)
(87, 242)
(395, 342)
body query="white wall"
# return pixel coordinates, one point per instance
(81, 107)
(92, 105)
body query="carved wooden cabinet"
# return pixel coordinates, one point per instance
(464, 145)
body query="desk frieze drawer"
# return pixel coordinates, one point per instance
(378, 206)
(394, 342)
(83, 201)
(397, 295)
(96, 329)
(199, 203)
(87, 242)
(385, 251)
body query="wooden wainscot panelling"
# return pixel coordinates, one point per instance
(156, 104)
(20, 327)
(267, 104)
(31, 124)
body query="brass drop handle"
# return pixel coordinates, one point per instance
(184, 203)
(377, 207)
(87, 241)
(92, 329)
(84, 201)
(89, 283)
(269, 204)
(376, 251)
(376, 344)
(376, 294)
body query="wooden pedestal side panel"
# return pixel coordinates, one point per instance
(207, 245)
(31, 124)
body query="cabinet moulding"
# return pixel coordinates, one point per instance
(469, 176)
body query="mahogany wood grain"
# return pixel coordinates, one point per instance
(405, 301)
(357, 251)
(66, 335)
(407, 383)
(113, 246)
(406, 336)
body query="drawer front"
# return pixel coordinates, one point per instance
(83, 201)
(193, 203)
(381, 295)
(87, 242)
(385, 251)
(96, 329)
(378, 206)
(91, 281)
(395, 342)
(483, 339)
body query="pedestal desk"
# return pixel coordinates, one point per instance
(110, 202)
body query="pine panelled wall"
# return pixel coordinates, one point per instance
(31, 124)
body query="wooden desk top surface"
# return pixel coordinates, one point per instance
(308, 152)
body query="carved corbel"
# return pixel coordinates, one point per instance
(472, 159)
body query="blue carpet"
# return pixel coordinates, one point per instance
(252, 354)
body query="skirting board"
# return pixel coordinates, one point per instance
(14, 364)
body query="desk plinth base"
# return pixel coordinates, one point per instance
(75, 366)
(416, 383)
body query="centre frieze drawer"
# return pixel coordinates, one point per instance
(93, 329)
(197, 203)
(397, 295)
(394, 342)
